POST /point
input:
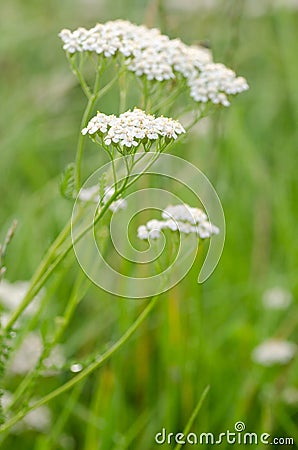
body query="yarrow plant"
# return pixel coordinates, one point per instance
(157, 70)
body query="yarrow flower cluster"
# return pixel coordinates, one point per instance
(182, 218)
(274, 351)
(92, 195)
(132, 128)
(215, 83)
(155, 56)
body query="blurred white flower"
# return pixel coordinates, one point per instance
(6, 399)
(290, 395)
(184, 212)
(131, 128)
(182, 218)
(92, 195)
(12, 294)
(27, 355)
(39, 419)
(4, 318)
(143, 232)
(54, 362)
(117, 204)
(274, 351)
(277, 298)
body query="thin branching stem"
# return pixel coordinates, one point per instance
(99, 361)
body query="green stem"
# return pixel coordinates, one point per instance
(165, 104)
(81, 140)
(79, 75)
(194, 415)
(38, 276)
(100, 360)
(65, 319)
(60, 423)
(92, 99)
(49, 264)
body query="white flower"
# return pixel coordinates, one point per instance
(143, 232)
(274, 351)
(132, 127)
(277, 298)
(182, 218)
(117, 204)
(54, 362)
(184, 212)
(27, 355)
(155, 56)
(91, 194)
(39, 419)
(214, 83)
(12, 294)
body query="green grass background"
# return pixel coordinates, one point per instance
(198, 334)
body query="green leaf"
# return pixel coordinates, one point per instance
(67, 182)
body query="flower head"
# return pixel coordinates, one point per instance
(182, 218)
(92, 195)
(214, 83)
(274, 351)
(149, 53)
(132, 128)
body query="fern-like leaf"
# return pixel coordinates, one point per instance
(67, 182)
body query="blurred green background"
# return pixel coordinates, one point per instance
(198, 334)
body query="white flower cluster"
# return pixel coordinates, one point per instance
(27, 355)
(274, 351)
(149, 53)
(277, 298)
(215, 83)
(12, 294)
(92, 195)
(182, 218)
(132, 128)
(39, 419)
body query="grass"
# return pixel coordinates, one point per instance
(198, 335)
